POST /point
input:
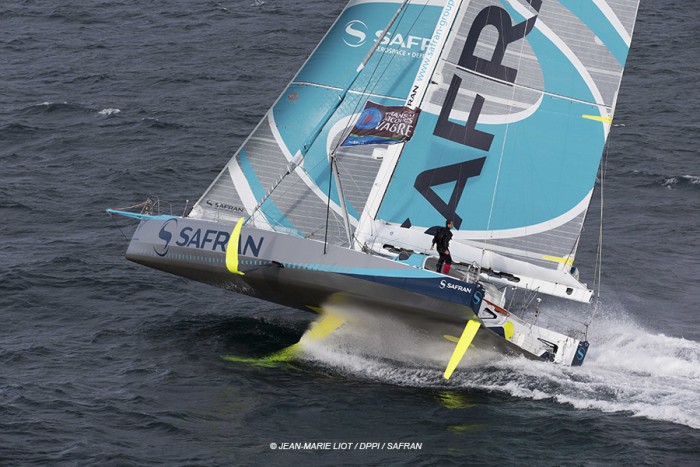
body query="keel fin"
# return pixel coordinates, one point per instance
(319, 330)
(283, 356)
(232, 248)
(464, 342)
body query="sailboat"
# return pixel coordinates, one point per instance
(491, 114)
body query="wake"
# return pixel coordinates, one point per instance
(628, 369)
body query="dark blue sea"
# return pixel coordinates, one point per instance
(104, 362)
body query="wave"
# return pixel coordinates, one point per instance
(90, 78)
(651, 179)
(67, 107)
(108, 112)
(17, 129)
(681, 181)
(155, 123)
(47, 107)
(628, 369)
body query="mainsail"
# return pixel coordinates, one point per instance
(512, 130)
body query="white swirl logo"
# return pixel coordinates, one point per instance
(356, 33)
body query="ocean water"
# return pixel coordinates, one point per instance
(105, 362)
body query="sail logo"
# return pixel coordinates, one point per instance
(224, 206)
(493, 67)
(356, 36)
(356, 33)
(492, 17)
(404, 42)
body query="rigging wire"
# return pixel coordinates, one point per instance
(328, 206)
(333, 158)
(118, 226)
(597, 274)
(301, 154)
(395, 23)
(503, 148)
(368, 92)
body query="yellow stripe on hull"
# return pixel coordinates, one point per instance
(232, 248)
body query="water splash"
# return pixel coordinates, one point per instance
(628, 369)
(108, 112)
(681, 181)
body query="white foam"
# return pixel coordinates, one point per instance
(692, 179)
(627, 370)
(108, 112)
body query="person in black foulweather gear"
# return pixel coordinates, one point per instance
(442, 240)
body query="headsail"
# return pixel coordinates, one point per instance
(298, 206)
(513, 125)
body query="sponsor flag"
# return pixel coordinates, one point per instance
(379, 124)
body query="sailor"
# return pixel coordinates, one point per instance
(442, 240)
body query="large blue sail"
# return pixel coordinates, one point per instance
(298, 205)
(512, 129)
